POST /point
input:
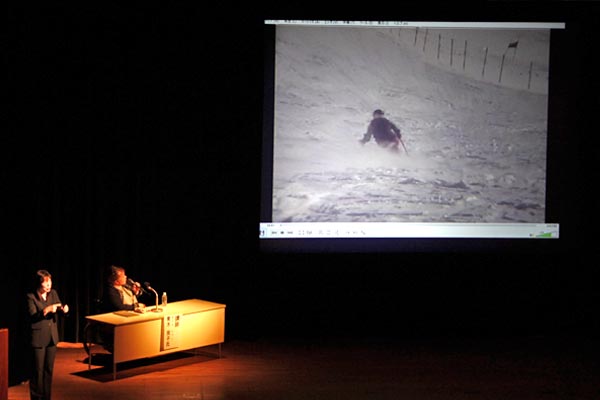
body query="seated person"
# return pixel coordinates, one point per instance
(119, 294)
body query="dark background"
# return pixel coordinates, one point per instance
(134, 138)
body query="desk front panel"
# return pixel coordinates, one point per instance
(140, 340)
(203, 329)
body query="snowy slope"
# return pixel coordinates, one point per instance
(476, 149)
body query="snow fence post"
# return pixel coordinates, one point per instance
(484, 62)
(501, 68)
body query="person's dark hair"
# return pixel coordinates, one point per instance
(38, 278)
(112, 273)
(378, 112)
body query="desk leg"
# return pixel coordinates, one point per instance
(220, 350)
(114, 371)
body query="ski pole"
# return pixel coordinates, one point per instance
(403, 145)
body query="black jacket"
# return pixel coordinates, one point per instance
(382, 130)
(43, 328)
(112, 300)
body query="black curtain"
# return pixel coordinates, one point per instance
(133, 140)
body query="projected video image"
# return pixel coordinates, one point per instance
(410, 124)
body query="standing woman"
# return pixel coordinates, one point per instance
(43, 306)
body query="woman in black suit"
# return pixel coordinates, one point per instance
(43, 304)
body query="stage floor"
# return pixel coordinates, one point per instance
(535, 368)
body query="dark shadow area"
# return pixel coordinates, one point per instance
(139, 367)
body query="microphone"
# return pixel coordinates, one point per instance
(132, 283)
(147, 284)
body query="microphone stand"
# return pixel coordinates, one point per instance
(156, 294)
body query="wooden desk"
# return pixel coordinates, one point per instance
(182, 325)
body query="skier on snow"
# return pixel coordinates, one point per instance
(386, 134)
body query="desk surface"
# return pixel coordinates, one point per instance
(177, 307)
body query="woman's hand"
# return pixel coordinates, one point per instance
(52, 308)
(140, 308)
(135, 289)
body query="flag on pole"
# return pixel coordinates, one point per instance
(513, 45)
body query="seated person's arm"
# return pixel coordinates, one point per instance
(114, 301)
